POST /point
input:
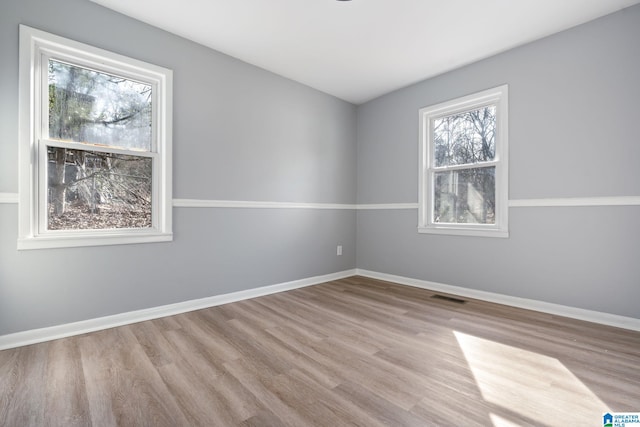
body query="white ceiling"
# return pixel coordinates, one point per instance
(360, 49)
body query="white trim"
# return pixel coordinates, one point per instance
(467, 231)
(250, 204)
(59, 241)
(98, 148)
(514, 203)
(498, 96)
(36, 49)
(34, 336)
(576, 201)
(77, 328)
(383, 206)
(196, 203)
(630, 323)
(8, 198)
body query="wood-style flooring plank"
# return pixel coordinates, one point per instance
(123, 385)
(23, 381)
(352, 352)
(67, 394)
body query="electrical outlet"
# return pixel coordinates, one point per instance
(339, 250)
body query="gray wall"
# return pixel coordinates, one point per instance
(240, 133)
(573, 127)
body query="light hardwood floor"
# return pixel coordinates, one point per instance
(350, 352)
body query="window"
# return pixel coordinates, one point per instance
(95, 146)
(463, 185)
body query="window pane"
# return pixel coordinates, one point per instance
(97, 108)
(465, 196)
(94, 190)
(465, 138)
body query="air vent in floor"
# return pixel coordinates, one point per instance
(450, 299)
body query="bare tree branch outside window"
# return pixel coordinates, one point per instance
(465, 195)
(90, 189)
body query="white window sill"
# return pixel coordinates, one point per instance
(457, 231)
(50, 242)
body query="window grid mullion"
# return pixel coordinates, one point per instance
(90, 147)
(465, 166)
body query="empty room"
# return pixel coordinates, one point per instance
(319, 213)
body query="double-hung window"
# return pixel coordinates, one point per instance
(95, 146)
(463, 186)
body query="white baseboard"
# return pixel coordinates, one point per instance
(77, 328)
(34, 336)
(529, 304)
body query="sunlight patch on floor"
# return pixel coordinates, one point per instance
(527, 384)
(498, 421)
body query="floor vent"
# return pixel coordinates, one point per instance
(450, 299)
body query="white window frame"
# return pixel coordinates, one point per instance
(496, 96)
(36, 47)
